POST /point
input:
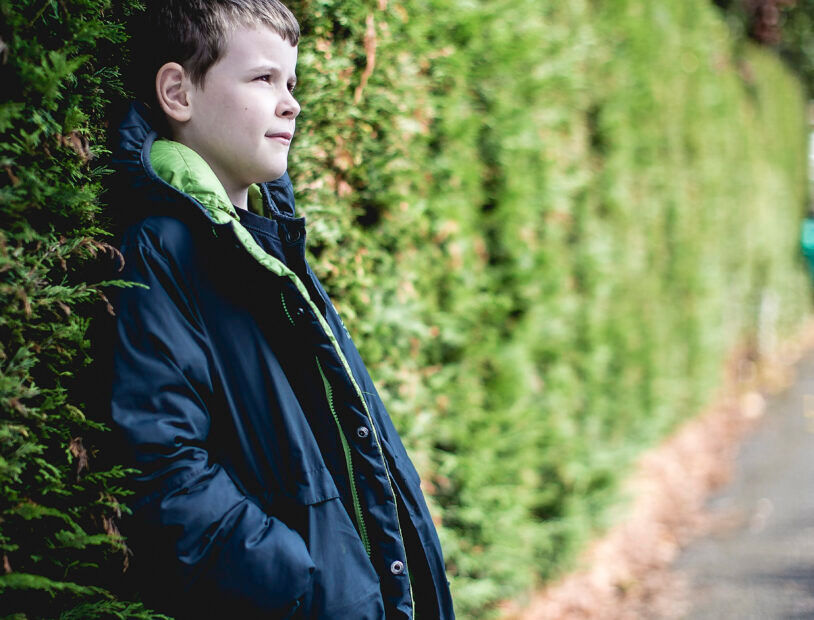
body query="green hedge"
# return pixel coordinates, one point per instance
(58, 538)
(545, 224)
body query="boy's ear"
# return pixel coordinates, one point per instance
(171, 86)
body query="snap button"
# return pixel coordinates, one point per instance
(362, 432)
(300, 311)
(397, 567)
(293, 236)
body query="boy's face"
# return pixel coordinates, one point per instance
(242, 119)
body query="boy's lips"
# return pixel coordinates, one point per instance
(282, 136)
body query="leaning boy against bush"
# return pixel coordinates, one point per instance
(272, 482)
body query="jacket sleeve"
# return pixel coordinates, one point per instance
(162, 387)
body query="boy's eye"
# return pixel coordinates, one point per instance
(265, 78)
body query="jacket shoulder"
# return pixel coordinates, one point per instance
(175, 239)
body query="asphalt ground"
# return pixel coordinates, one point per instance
(760, 562)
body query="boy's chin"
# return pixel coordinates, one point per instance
(269, 176)
(275, 172)
(276, 175)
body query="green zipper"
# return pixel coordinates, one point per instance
(285, 308)
(357, 506)
(329, 394)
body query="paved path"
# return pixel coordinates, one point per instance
(762, 565)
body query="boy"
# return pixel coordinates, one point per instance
(272, 482)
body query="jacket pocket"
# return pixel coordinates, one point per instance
(344, 578)
(314, 486)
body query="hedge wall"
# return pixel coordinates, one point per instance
(58, 538)
(545, 224)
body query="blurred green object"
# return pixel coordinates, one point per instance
(807, 243)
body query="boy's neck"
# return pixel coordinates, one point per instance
(239, 198)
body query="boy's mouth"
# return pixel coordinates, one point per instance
(282, 136)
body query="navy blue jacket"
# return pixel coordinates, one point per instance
(273, 482)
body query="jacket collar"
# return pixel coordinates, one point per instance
(185, 170)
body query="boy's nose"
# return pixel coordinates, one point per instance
(288, 107)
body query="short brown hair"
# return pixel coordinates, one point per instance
(194, 34)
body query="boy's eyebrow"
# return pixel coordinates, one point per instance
(270, 68)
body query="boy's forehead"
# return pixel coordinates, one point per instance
(259, 45)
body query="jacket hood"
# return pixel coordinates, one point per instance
(134, 158)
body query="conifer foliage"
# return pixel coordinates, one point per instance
(546, 224)
(58, 538)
